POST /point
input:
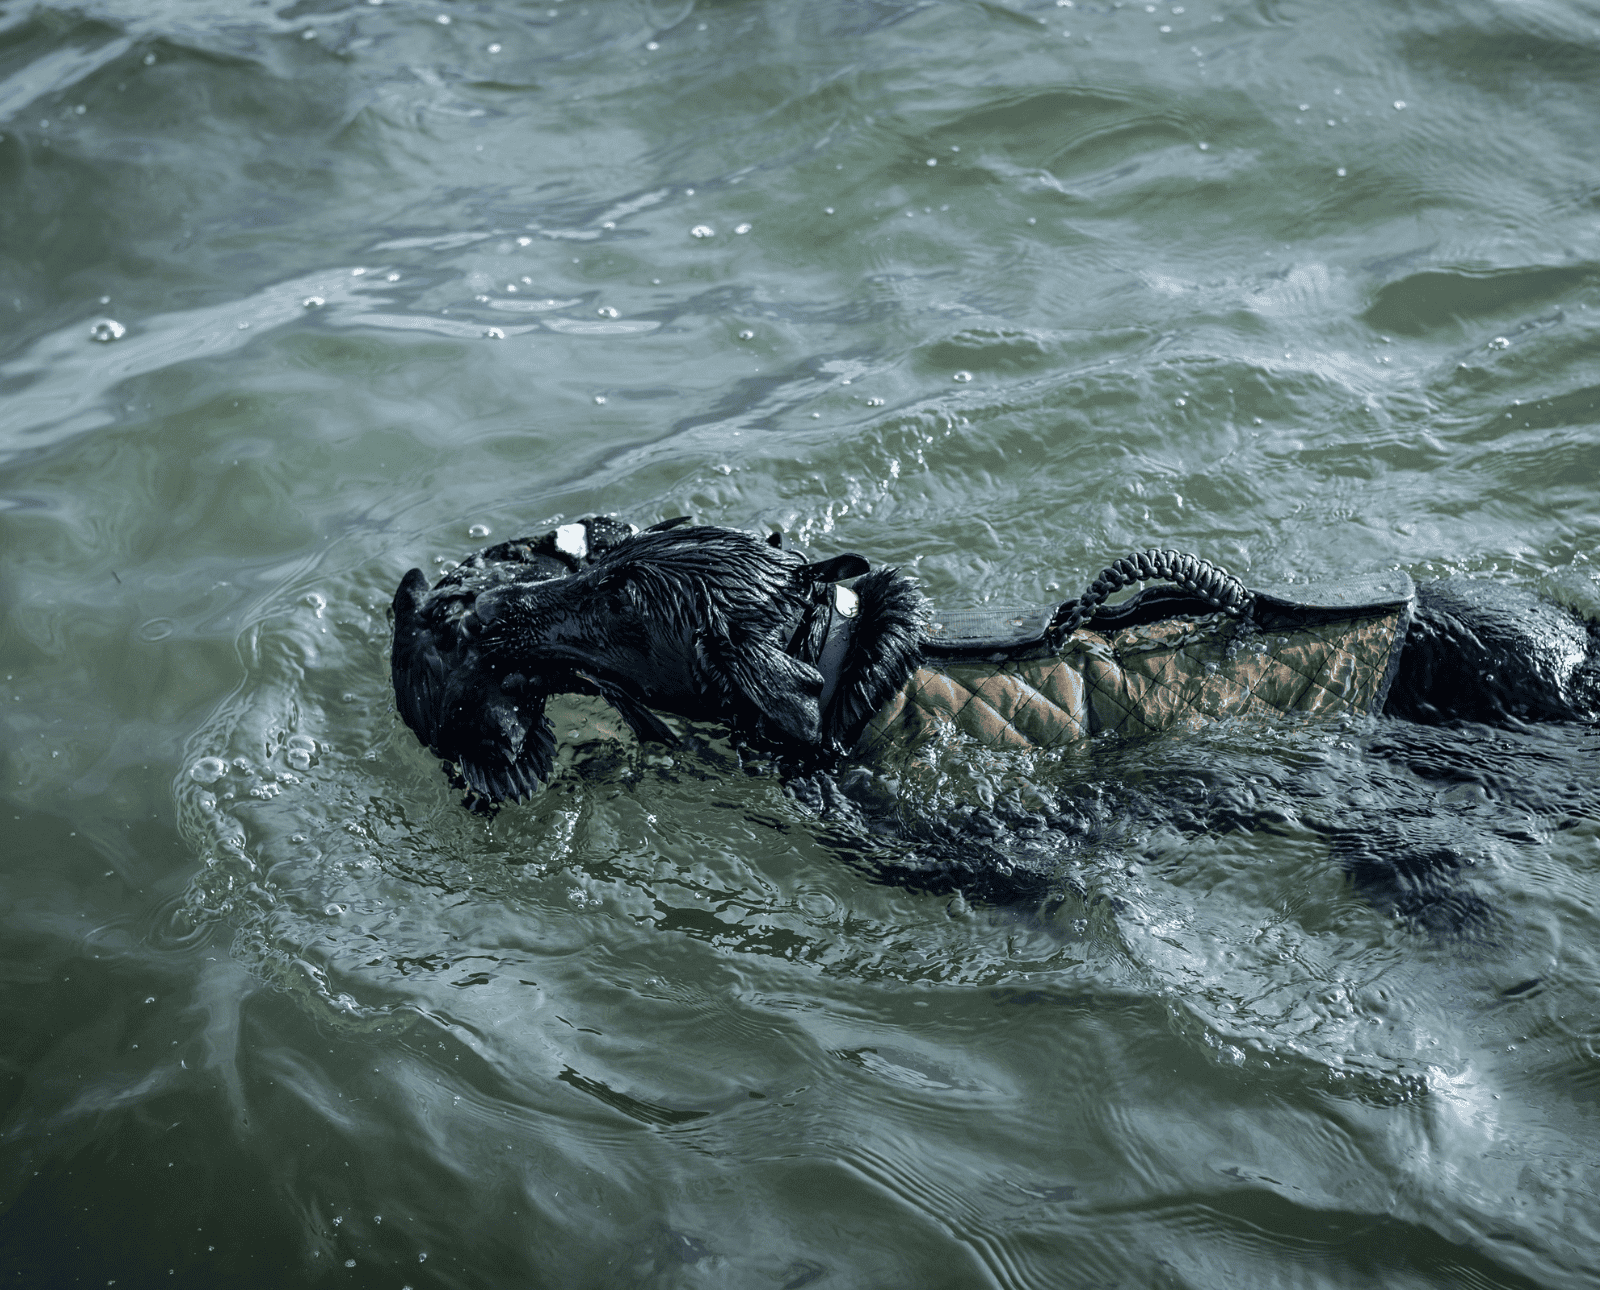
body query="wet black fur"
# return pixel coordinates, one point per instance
(693, 621)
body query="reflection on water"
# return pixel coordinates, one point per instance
(293, 299)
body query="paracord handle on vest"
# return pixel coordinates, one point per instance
(1199, 577)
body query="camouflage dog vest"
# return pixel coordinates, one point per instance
(1153, 664)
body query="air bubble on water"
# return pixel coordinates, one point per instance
(443, 20)
(600, 398)
(493, 333)
(494, 49)
(107, 330)
(651, 44)
(1203, 146)
(1183, 403)
(1499, 342)
(1032, 220)
(149, 60)
(722, 468)
(702, 230)
(208, 770)
(1340, 172)
(933, 161)
(1305, 107)
(357, 272)
(313, 302)
(478, 531)
(317, 603)
(874, 403)
(827, 210)
(606, 311)
(524, 241)
(1399, 105)
(310, 33)
(511, 287)
(963, 377)
(747, 334)
(742, 229)
(610, 223)
(391, 277)
(1165, 29)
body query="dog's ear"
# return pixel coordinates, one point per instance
(840, 567)
(762, 687)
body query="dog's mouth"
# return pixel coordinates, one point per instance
(641, 720)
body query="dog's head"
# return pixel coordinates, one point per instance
(693, 621)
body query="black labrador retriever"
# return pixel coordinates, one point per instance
(715, 624)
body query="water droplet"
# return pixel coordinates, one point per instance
(149, 60)
(493, 333)
(1203, 146)
(443, 20)
(208, 770)
(742, 229)
(747, 334)
(702, 230)
(317, 603)
(600, 398)
(524, 241)
(1305, 107)
(606, 311)
(1032, 220)
(310, 33)
(963, 377)
(391, 277)
(652, 45)
(107, 330)
(1399, 105)
(1340, 172)
(610, 223)
(479, 531)
(1183, 403)
(494, 49)
(874, 403)
(1165, 29)
(149, 998)
(313, 302)
(933, 161)
(1499, 342)
(723, 468)
(827, 210)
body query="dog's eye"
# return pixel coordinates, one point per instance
(616, 587)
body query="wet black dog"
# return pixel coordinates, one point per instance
(714, 624)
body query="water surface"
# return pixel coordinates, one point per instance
(993, 292)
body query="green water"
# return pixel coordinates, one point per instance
(995, 292)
